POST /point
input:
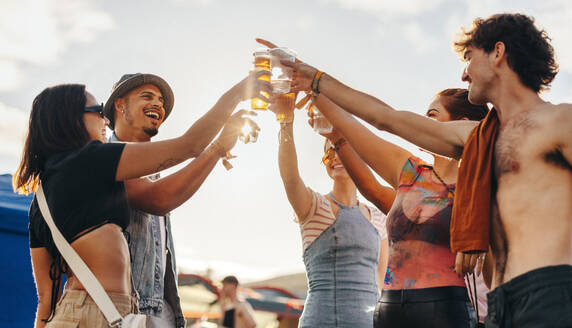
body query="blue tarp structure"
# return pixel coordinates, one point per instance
(18, 300)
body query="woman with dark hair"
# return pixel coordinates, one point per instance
(420, 287)
(82, 176)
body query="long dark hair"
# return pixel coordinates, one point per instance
(56, 125)
(456, 102)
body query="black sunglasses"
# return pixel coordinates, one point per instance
(95, 109)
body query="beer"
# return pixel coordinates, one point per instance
(284, 105)
(281, 76)
(261, 63)
(321, 123)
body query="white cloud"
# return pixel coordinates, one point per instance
(201, 3)
(10, 77)
(389, 8)
(552, 15)
(415, 34)
(37, 32)
(305, 22)
(556, 21)
(399, 17)
(13, 126)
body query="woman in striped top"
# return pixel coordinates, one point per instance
(345, 241)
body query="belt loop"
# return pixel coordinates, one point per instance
(402, 297)
(81, 296)
(503, 308)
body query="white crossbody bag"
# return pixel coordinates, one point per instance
(84, 274)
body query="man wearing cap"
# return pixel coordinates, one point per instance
(136, 108)
(235, 312)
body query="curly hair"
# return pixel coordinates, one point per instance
(528, 49)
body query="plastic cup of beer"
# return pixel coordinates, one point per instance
(321, 123)
(281, 76)
(261, 63)
(283, 106)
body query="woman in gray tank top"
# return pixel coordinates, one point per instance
(341, 238)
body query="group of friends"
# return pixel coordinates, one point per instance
(495, 206)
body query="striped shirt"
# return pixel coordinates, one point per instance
(321, 216)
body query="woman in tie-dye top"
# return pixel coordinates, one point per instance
(420, 288)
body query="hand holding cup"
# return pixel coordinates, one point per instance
(233, 129)
(333, 135)
(253, 86)
(302, 75)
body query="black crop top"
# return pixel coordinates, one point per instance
(81, 192)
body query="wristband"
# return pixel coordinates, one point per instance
(304, 101)
(338, 144)
(217, 148)
(316, 82)
(224, 154)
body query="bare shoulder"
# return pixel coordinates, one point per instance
(552, 110)
(555, 117)
(563, 111)
(554, 123)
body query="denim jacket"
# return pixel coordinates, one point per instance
(145, 247)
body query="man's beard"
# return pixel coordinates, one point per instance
(151, 132)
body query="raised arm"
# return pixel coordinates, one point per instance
(444, 138)
(162, 196)
(141, 159)
(299, 195)
(382, 197)
(209, 125)
(385, 158)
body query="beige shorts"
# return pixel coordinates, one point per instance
(76, 309)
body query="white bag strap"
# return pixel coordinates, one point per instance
(78, 266)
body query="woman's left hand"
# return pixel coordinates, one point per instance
(332, 136)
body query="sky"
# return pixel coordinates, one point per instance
(240, 221)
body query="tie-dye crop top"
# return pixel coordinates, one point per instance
(418, 231)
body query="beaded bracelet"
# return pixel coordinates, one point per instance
(316, 82)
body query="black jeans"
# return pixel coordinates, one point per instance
(439, 307)
(538, 298)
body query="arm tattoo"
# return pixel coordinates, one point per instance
(168, 163)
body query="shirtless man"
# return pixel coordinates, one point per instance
(509, 61)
